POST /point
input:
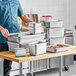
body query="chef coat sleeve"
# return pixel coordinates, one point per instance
(20, 11)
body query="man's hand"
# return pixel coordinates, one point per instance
(26, 24)
(4, 32)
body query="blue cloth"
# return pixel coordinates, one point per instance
(9, 11)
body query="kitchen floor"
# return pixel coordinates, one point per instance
(55, 72)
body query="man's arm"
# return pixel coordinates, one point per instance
(25, 18)
(4, 32)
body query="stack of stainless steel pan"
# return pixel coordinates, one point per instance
(17, 40)
(35, 28)
(55, 32)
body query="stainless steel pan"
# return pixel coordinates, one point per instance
(26, 38)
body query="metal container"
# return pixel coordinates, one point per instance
(12, 45)
(20, 52)
(26, 39)
(57, 40)
(54, 23)
(39, 65)
(55, 32)
(15, 37)
(58, 49)
(35, 28)
(15, 65)
(16, 72)
(20, 34)
(37, 49)
(34, 24)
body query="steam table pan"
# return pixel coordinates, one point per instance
(20, 52)
(27, 38)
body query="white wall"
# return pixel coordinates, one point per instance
(55, 8)
(69, 13)
(72, 13)
(38, 6)
(66, 13)
(44, 7)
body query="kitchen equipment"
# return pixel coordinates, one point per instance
(34, 24)
(57, 40)
(20, 52)
(16, 72)
(55, 32)
(68, 32)
(54, 23)
(69, 39)
(19, 34)
(15, 65)
(24, 39)
(37, 49)
(35, 28)
(39, 65)
(57, 48)
(12, 45)
(14, 37)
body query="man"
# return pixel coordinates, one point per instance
(9, 11)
